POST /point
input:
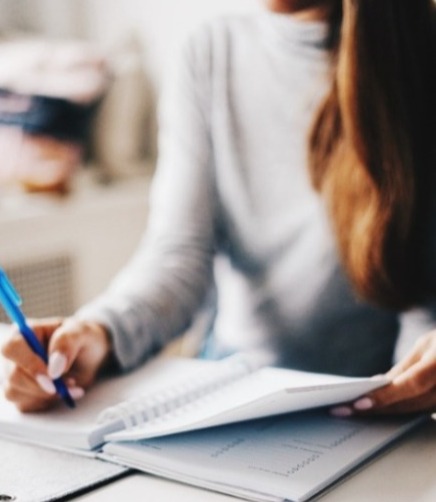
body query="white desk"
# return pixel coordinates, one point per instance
(405, 473)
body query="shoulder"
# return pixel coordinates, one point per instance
(224, 28)
(213, 36)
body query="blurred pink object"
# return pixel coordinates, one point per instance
(48, 95)
(37, 163)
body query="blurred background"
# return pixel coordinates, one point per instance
(80, 82)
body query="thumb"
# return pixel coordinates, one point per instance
(64, 347)
(79, 348)
(57, 365)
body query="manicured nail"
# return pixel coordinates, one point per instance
(365, 403)
(341, 411)
(56, 365)
(46, 384)
(76, 392)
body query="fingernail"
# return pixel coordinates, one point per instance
(365, 403)
(56, 365)
(76, 392)
(341, 411)
(46, 384)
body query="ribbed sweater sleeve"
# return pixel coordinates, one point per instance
(157, 293)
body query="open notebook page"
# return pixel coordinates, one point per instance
(265, 392)
(65, 428)
(288, 457)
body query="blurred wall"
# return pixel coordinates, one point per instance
(160, 24)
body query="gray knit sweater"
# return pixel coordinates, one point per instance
(235, 220)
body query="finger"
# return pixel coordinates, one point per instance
(17, 350)
(414, 382)
(20, 379)
(16, 346)
(79, 348)
(28, 404)
(64, 347)
(420, 377)
(405, 363)
(423, 403)
(24, 391)
(44, 328)
(21, 389)
(425, 346)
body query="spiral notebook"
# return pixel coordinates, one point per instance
(169, 418)
(170, 396)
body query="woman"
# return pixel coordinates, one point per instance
(296, 161)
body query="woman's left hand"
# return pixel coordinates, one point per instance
(412, 387)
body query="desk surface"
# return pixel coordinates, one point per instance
(404, 473)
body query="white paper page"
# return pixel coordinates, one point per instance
(266, 392)
(71, 428)
(290, 456)
(189, 479)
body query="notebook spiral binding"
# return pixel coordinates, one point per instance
(179, 398)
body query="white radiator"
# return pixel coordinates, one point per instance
(56, 297)
(61, 252)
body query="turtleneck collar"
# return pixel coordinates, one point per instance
(293, 34)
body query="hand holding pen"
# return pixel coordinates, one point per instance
(40, 355)
(11, 302)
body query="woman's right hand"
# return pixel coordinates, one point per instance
(78, 351)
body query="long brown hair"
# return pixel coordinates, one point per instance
(370, 149)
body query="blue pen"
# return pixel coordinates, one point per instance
(11, 301)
